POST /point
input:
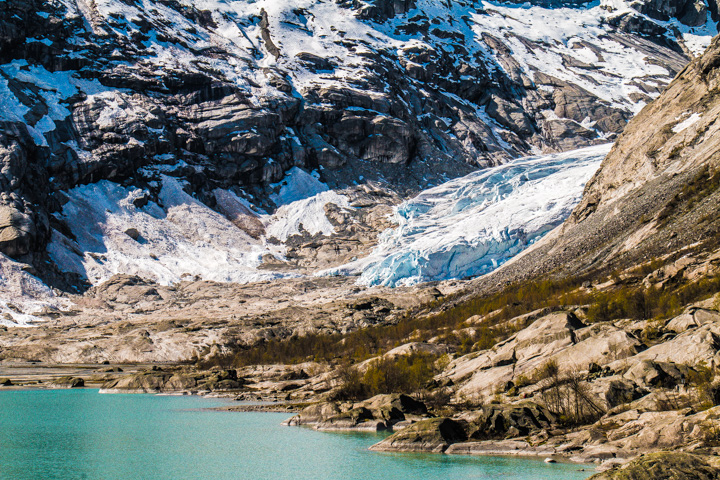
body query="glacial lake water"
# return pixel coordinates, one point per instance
(80, 434)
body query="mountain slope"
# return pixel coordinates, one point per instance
(655, 193)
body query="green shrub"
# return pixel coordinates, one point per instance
(404, 374)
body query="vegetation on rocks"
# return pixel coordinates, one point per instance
(664, 466)
(483, 321)
(568, 396)
(402, 374)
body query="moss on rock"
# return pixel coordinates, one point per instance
(663, 466)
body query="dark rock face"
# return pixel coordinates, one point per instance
(633, 23)
(23, 186)
(509, 421)
(714, 8)
(136, 96)
(381, 10)
(690, 12)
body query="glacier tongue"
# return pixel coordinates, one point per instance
(472, 225)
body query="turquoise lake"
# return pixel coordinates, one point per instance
(80, 434)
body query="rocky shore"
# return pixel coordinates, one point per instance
(646, 401)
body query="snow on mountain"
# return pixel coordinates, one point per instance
(115, 229)
(302, 199)
(315, 45)
(573, 43)
(472, 225)
(307, 214)
(183, 239)
(465, 227)
(22, 295)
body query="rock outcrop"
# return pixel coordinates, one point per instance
(665, 466)
(68, 382)
(508, 421)
(433, 435)
(381, 412)
(497, 422)
(559, 337)
(157, 381)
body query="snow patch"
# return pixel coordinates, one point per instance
(24, 296)
(308, 215)
(688, 122)
(297, 185)
(177, 239)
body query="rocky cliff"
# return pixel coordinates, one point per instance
(232, 95)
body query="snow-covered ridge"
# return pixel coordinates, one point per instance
(576, 45)
(472, 225)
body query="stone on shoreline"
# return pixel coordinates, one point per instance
(69, 382)
(433, 435)
(380, 412)
(499, 447)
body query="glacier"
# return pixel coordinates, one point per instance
(465, 227)
(470, 226)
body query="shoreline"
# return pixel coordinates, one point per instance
(258, 393)
(293, 408)
(489, 448)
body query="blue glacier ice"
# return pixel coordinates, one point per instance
(470, 226)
